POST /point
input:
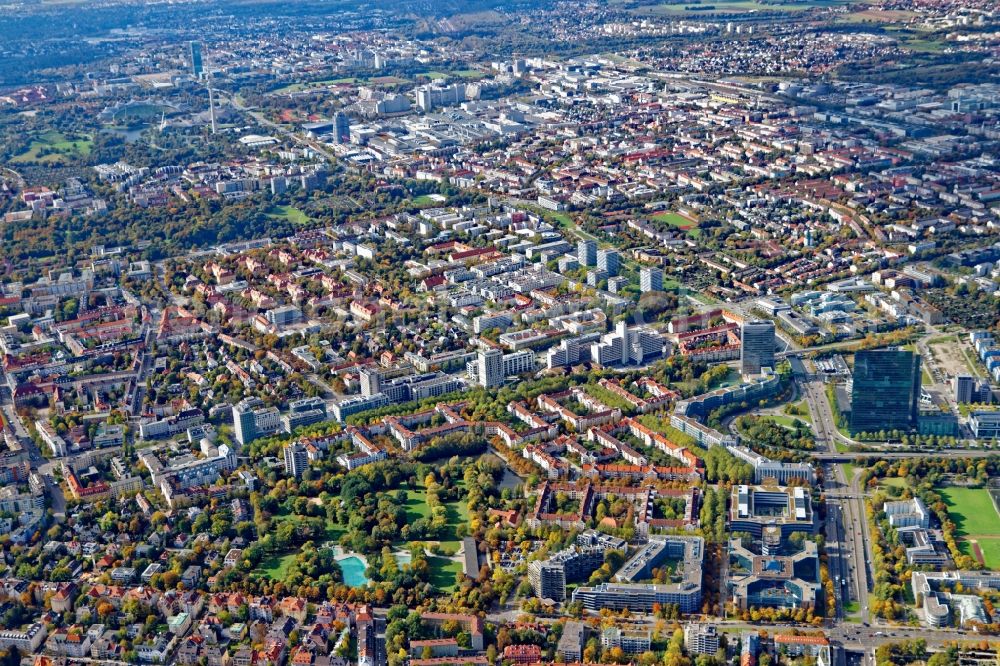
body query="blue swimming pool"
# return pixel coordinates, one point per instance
(354, 571)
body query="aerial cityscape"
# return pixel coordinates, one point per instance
(469, 332)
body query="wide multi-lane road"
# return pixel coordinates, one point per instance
(845, 529)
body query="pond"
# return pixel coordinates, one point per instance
(354, 571)
(510, 479)
(130, 135)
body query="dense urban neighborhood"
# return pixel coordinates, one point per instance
(500, 334)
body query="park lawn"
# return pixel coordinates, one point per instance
(276, 566)
(460, 509)
(416, 505)
(972, 511)
(443, 571)
(62, 148)
(448, 548)
(333, 530)
(457, 512)
(731, 379)
(562, 218)
(565, 221)
(893, 482)
(924, 45)
(800, 405)
(290, 213)
(704, 299)
(787, 421)
(434, 76)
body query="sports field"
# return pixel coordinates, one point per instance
(679, 221)
(977, 523)
(426, 200)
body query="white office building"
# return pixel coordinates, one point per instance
(252, 420)
(650, 279)
(625, 346)
(701, 638)
(296, 459)
(608, 260)
(492, 367)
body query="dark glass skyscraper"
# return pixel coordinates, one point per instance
(757, 347)
(196, 66)
(886, 393)
(342, 128)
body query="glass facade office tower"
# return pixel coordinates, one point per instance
(886, 391)
(196, 64)
(757, 347)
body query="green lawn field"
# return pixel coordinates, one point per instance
(673, 219)
(562, 218)
(55, 148)
(443, 572)
(443, 569)
(787, 421)
(276, 566)
(426, 200)
(416, 505)
(290, 213)
(972, 511)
